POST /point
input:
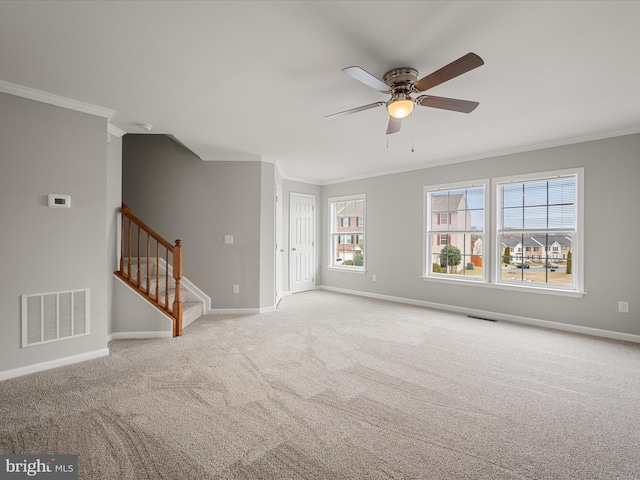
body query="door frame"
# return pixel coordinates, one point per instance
(292, 219)
(279, 250)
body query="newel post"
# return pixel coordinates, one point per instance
(177, 275)
(123, 213)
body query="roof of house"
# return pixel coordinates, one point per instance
(350, 208)
(445, 202)
(538, 240)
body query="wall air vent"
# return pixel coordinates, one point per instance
(49, 317)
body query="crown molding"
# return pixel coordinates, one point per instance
(231, 157)
(57, 100)
(115, 131)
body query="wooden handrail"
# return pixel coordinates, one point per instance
(126, 211)
(130, 222)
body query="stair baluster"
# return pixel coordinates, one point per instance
(134, 278)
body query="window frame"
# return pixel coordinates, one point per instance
(428, 231)
(492, 254)
(577, 251)
(356, 234)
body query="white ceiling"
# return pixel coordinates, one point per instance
(253, 80)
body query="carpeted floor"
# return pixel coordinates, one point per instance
(332, 386)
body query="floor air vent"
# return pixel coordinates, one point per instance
(49, 317)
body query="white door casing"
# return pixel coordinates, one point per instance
(279, 254)
(301, 242)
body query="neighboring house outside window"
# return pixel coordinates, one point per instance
(347, 232)
(455, 231)
(539, 214)
(536, 240)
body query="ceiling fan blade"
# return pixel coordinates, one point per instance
(365, 77)
(356, 110)
(464, 106)
(394, 125)
(455, 68)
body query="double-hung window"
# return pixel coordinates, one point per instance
(347, 232)
(455, 231)
(539, 211)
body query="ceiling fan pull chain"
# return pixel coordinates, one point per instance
(412, 151)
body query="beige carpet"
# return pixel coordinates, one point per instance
(338, 387)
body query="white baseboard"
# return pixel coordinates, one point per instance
(131, 335)
(246, 311)
(597, 332)
(58, 362)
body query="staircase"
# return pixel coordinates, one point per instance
(192, 306)
(153, 268)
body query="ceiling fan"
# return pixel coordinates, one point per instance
(400, 83)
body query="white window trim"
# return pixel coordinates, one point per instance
(427, 217)
(346, 268)
(577, 246)
(491, 250)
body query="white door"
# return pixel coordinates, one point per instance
(301, 242)
(279, 245)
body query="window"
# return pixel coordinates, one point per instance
(536, 238)
(346, 237)
(455, 226)
(541, 211)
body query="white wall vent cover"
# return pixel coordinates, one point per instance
(49, 317)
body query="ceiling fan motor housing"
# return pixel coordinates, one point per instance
(401, 80)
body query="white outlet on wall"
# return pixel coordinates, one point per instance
(228, 239)
(623, 307)
(236, 289)
(373, 277)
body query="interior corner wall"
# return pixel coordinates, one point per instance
(267, 235)
(114, 204)
(48, 149)
(182, 197)
(289, 187)
(394, 230)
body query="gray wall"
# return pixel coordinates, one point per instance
(267, 235)
(180, 196)
(394, 223)
(114, 202)
(46, 149)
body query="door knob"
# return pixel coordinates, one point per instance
(294, 248)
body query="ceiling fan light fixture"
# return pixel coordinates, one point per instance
(400, 107)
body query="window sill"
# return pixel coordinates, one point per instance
(361, 271)
(513, 288)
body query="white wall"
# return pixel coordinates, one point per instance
(395, 210)
(47, 149)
